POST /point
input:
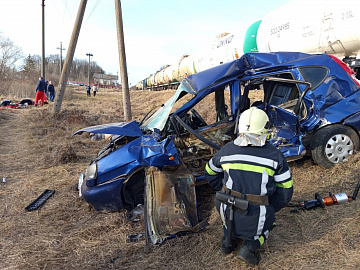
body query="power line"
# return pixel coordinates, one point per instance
(66, 10)
(95, 6)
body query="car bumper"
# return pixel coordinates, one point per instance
(106, 196)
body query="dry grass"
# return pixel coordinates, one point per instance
(37, 154)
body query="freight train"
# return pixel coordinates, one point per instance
(329, 26)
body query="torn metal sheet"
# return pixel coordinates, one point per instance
(171, 202)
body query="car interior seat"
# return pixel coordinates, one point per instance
(282, 93)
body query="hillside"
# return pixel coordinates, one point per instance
(37, 154)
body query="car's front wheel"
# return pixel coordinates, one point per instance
(333, 144)
(133, 191)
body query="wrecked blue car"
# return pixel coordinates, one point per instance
(313, 103)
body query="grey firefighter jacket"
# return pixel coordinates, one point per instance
(252, 170)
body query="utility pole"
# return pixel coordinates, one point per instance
(89, 54)
(122, 61)
(61, 49)
(69, 57)
(43, 41)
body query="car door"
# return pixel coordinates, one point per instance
(170, 204)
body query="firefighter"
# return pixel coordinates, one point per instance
(253, 181)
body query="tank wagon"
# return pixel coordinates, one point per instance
(329, 27)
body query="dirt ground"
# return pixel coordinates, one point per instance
(38, 154)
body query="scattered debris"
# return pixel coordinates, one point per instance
(135, 237)
(136, 214)
(16, 105)
(5, 102)
(40, 200)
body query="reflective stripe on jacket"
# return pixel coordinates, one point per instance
(252, 170)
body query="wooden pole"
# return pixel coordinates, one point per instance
(69, 57)
(61, 62)
(43, 41)
(89, 54)
(122, 62)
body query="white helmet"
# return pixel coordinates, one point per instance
(254, 121)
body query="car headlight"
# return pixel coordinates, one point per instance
(91, 174)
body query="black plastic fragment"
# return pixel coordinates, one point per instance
(40, 200)
(135, 237)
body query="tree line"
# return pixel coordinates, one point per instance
(17, 67)
(79, 69)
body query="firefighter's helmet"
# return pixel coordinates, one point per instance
(254, 121)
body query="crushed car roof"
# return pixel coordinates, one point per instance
(249, 64)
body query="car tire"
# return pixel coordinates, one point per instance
(137, 193)
(133, 191)
(333, 144)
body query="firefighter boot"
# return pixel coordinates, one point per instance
(248, 255)
(225, 247)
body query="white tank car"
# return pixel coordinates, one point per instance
(226, 47)
(168, 74)
(309, 26)
(312, 26)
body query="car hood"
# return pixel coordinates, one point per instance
(131, 129)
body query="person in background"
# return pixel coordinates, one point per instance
(253, 181)
(94, 89)
(46, 91)
(40, 96)
(88, 88)
(51, 91)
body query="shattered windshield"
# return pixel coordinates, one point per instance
(159, 118)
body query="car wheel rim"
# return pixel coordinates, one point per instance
(338, 148)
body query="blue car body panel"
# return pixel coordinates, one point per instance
(353, 120)
(110, 198)
(144, 151)
(123, 128)
(114, 169)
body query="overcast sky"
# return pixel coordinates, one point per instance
(157, 32)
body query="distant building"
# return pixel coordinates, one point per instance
(106, 80)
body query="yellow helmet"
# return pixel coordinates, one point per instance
(254, 121)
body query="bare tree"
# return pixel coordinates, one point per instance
(9, 55)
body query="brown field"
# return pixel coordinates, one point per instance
(37, 154)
